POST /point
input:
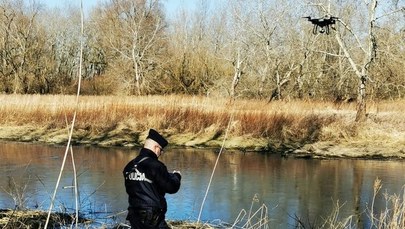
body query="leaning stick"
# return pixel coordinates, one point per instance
(73, 120)
(216, 163)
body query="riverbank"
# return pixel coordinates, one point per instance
(37, 219)
(292, 128)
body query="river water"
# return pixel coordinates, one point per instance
(287, 188)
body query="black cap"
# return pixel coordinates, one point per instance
(154, 135)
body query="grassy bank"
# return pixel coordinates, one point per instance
(34, 219)
(301, 128)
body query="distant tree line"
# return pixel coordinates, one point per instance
(252, 49)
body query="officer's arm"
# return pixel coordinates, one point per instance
(168, 182)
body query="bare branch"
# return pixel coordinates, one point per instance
(327, 53)
(354, 35)
(348, 56)
(390, 13)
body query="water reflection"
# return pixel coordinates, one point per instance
(288, 187)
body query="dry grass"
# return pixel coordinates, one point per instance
(298, 122)
(392, 216)
(171, 112)
(33, 219)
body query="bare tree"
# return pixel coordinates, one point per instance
(21, 47)
(360, 64)
(63, 43)
(256, 49)
(267, 17)
(369, 55)
(259, 44)
(388, 77)
(238, 46)
(131, 32)
(195, 37)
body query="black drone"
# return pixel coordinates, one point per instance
(322, 24)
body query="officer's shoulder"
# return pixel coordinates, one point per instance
(156, 163)
(129, 165)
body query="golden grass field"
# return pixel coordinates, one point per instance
(299, 127)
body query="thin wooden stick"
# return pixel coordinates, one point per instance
(73, 120)
(216, 162)
(76, 188)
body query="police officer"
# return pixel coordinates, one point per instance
(146, 182)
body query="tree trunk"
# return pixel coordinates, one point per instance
(235, 81)
(361, 101)
(137, 72)
(237, 75)
(368, 60)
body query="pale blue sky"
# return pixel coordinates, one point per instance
(170, 5)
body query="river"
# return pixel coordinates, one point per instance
(287, 188)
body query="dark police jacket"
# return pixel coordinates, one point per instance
(147, 181)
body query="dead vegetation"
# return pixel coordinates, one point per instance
(279, 126)
(34, 219)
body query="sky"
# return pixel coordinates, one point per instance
(170, 5)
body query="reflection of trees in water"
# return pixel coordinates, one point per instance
(307, 188)
(319, 184)
(43, 164)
